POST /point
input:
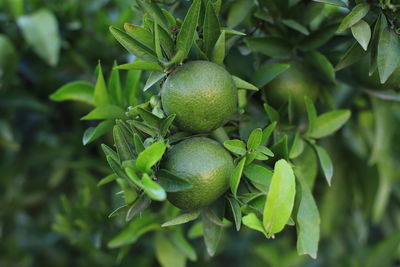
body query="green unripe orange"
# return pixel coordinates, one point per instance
(206, 165)
(298, 81)
(202, 94)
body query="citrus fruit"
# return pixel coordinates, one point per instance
(298, 81)
(202, 94)
(206, 165)
(360, 71)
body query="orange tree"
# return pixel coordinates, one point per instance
(223, 118)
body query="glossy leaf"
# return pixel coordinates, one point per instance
(171, 182)
(297, 146)
(132, 46)
(140, 35)
(307, 222)
(325, 162)
(236, 175)
(141, 65)
(77, 91)
(259, 174)
(211, 29)
(328, 123)
(121, 144)
(182, 218)
(153, 79)
(141, 203)
(211, 233)
(255, 139)
(267, 133)
(243, 84)
(280, 198)
(388, 57)
(322, 66)
(93, 133)
(236, 211)
(105, 112)
(186, 35)
(239, 10)
(267, 73)
(236, 146)
(354, 54)
(155, 12)
(152, 189)
(251, 220)
(296, 26)
(218, 52)
(100, 89)
(362, 32)
(150, 156)
(356, 14)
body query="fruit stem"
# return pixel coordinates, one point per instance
(220, 135)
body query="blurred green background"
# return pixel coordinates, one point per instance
(54, 214)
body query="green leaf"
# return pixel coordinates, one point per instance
(107, 179)
(132, 46)
(218, 52)
(236, 211)
(251, 220)
(135, 229)
(296, 26)
(280, 148)
(328, 123)
(318, 37)
(150, 156)
(271, 46)
(141, 65)
(211, 29)
(93, 133)
(108, 151)
(171, 182)
(280, 198)
(297, 146)
(77, 91)
(130, 194)
(142, 127)
(187, 32)
(40, 30)
(273, 114)
(167, 254)
(236, 146)
(179, 240)
(354, 54)
(380, 25)
(255, 139)
(155, 12)
(259, 175)
(267, 133)
(132, 87)
(182, 218)
(105, 112)
(236, 175)
(267, 73)
(100, 89)
(307, 222)
(114, 86)
(265, 150)
(116, 167)
(356, 14)
(211, 233)
(238, 12)
(362, 32)
(339, 3)
(141, 203)
(151, 119)
(152, 189)
(311, 114)
(243, 84)
(322, 65)
(139, 147)
(157, 43)
(153, 79)
(122, 144)
(232, 32)
(141, 35)
(325, 162)
(166, 124)
(388, 57)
